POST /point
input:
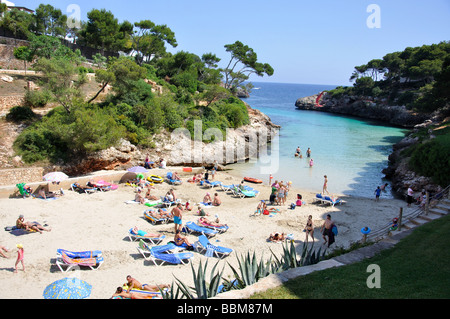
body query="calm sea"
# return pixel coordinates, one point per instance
(351, 152)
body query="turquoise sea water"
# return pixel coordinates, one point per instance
(351, 152)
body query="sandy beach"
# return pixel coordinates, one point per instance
(100, 221)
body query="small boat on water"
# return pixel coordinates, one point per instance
(252, 180)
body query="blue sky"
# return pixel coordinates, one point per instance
(313, 42)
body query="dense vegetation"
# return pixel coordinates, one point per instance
(416, 77)
(419, 79)
(192, 86)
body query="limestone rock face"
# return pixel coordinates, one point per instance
(178, 148)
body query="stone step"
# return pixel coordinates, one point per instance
(443, 206)
(418, 221)
(431, 216)
(438, 211)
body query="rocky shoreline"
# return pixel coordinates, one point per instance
(178, 149)
(397, 172)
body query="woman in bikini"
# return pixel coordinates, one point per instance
(309, 228)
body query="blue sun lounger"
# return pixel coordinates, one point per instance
(170, 180)
(193, 228)
(154, 240)
(212, 184)
(211, 250)
(79, 254)
(163, 254)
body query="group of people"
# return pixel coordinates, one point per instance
(280, 191)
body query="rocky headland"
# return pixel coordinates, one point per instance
(179, 149)
(397, 172)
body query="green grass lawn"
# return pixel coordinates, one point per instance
(418, 267)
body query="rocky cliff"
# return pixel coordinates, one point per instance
(349, 105)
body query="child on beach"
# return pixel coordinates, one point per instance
(20, 253)
(377, 193)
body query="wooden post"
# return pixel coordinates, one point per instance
(364, 238)
(400, 219)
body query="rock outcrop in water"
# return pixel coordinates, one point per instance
(349, 105)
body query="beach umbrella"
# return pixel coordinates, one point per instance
(138, 169)
(55, 177)
(68, 288)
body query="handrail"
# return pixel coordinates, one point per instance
(384, 230)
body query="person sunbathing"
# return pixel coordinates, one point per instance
(148, 195)
(277, 237)
(139, 197)
(138, 232)
(180, 240)
(206, 221)
(130, 295)
(42, 193)
(22, 224)
(160, 214)
(133, 283)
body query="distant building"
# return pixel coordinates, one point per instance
(11, 6)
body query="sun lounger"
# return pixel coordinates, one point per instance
(154, 241)
(82, 189)
(220, 229)
(193, 228)
(227, 188)
(212, 184)
(204, 245)
(167, 203)
(329, 200)
(172, 181)
(245, 193)
(163, 254)
(154, 220)
(65, 261)
(79, 254)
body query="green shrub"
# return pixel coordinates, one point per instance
(38, 98)
(20, 114)
(431, 159)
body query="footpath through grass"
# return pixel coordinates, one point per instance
(418, 267)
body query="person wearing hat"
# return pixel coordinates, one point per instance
(20, 253)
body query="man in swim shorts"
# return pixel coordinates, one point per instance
(177, 216)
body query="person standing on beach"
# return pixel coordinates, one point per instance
(377, 194)
(325, 185)
(177, 216)
(409, 196)
(20, 253)
(326, 230)
(309, 228)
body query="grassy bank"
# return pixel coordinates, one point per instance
(416, 268)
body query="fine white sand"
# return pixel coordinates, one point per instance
(101, 221)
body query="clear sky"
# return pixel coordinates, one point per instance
(311, 42)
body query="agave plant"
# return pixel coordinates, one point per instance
(170, 293)
(201, 289)
(289, 258)
(250, 270)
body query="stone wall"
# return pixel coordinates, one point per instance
(20, 175)
(7, 102)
